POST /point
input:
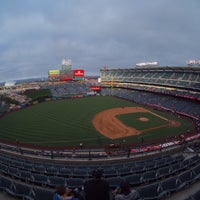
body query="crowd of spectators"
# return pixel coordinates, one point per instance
(69, 89)
(181, 77)
(183, 82)
(97, 188)
(176, 104)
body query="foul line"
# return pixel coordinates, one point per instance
(159, 116)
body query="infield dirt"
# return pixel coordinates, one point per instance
(107, 123)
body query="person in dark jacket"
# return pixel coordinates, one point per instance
(97, 188)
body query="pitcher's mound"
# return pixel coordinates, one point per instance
(143, 119)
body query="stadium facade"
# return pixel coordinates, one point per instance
(177, 81)
(66, 73)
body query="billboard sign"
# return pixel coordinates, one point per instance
(54, 72)
(79, 72)
(66, 78)
(95, 87)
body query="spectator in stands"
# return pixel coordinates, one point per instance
(63, 193)
(124, 192)
(97, 188)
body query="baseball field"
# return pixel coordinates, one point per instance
(93, 121)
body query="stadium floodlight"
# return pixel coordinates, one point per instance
(66, 62)
(193, 62)
(147, 64)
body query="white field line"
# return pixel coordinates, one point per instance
(159, 116)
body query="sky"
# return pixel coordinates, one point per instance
(35, 35)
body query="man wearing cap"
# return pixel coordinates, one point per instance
(96, 188)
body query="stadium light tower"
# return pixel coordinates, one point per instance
(66, 64)
(112, 85)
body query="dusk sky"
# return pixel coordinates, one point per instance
(35, 35)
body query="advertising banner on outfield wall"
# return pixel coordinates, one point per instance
(95, 87)
(66, 78)
(79, 72)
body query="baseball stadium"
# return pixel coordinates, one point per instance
(139, 124)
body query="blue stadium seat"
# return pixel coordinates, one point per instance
(187, 177)
(3, 168)
(5, 183)
(134, 180)
(80, 173)
(40, 179)
(39, 168)
(75, 183)
(42, 193)
(114, 182)
(19, 190)
(171, 184)
(124, 171)
(196, 170)
(51, 171)
(195, 196)
(164, 172)
(151, 192)
(55, 180)
(150, 176)
(26, 176)
(13, 172)
(65, 172)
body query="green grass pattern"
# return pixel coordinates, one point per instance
(69, 122)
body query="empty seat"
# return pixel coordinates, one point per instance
(28, 166)
(109, 173)
(39, 168)
(152, 191)
(124, 171)
(26, 176)
(114, 181)
(187, 177)
(194, 159)
(55, 180)
(19, 190)
(51, 171)
(164, 171)
(65, 172)
(42, 193)
(138, 169)
(40, 179)
(172, 184)
(160, 163)
(80, 173)
(176, 167)
(134, 179)
(74, 183)
(196, 171)
(150, 165)
(150, 176)
(3, 168)
(5, 183)
(13, 172)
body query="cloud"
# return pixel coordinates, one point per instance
(36, 35)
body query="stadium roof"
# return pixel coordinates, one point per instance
(164, 68)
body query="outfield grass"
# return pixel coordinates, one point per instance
(69, 122)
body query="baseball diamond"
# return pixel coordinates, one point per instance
(108, 120)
